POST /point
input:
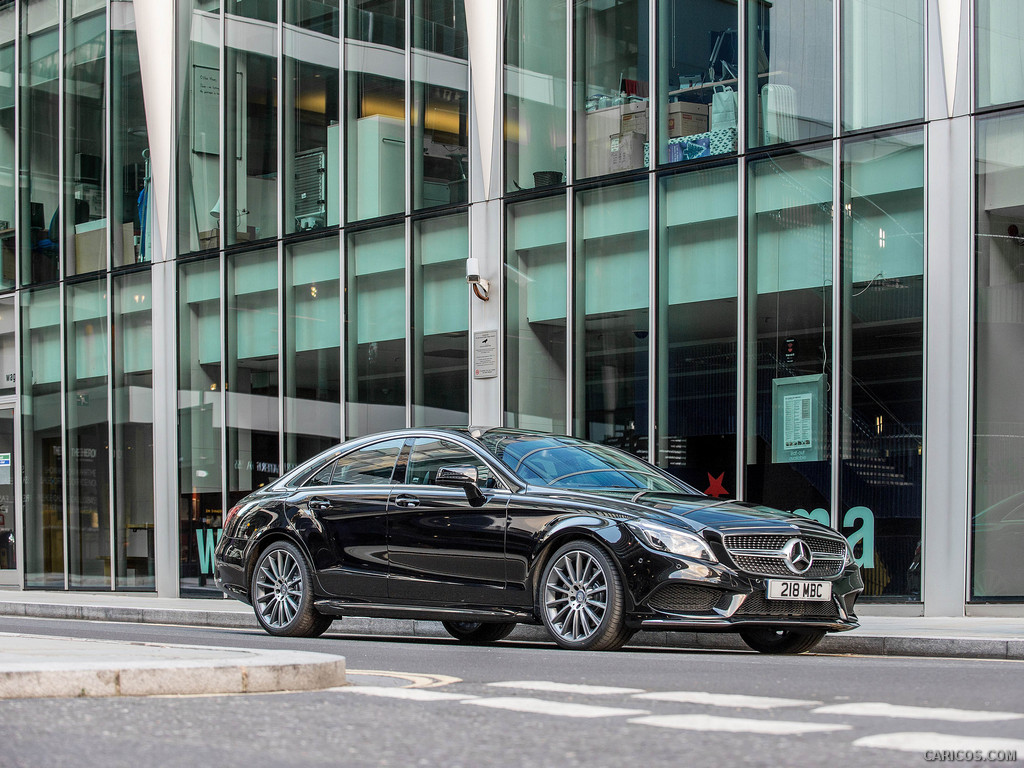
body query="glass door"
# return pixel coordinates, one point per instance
(8, 548)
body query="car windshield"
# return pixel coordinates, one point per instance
(565, 462)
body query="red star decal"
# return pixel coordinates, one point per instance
(716, 488)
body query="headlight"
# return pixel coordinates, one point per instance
(666, 539)
(847, 555)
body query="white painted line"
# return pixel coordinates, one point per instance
(559, 709)
(552, 687)
(879, 709)
(940, 742)
(736, 724)
(410, 694)
(725, 699)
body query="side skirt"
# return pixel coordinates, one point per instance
(425, 613)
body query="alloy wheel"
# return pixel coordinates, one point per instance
(279, 588)
(576, 595)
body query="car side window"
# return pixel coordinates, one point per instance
(322, 476)
(372, 464)
(429, 454)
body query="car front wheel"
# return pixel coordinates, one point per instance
(581, 599)
(282, 593)
(767, 640)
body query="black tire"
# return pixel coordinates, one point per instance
(473, 632)
(281, 591)
(768, 640)
(569, 600)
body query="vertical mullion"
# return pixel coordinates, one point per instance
(742, 73)
(282, 284)
(61, 181)
(570, 223)
(108, 180)
(342, 218)
(225, 215)
(409, 197)
(972, 314)
(838, 211)
(16, 87)
(741, 329)
(653, 142)
(343, 339)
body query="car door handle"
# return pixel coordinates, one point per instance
(407, 501)
(319, 504)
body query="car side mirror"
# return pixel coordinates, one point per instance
(465, 478)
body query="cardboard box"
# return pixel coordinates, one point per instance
(627, 152)
(633, 118)
(686, 118)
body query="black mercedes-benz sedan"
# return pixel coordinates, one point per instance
(482, 529)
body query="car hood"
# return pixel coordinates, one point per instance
(695, 512)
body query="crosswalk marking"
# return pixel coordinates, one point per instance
(551, 687)
(411, 694)
(880, 709)
(724, 699)
(937, 742)
(737, 724)
(545, 707)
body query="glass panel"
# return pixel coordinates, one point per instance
(8, 129)
(698, 99)
(199, 128)
(133, 431)
(440, 104)
(789, 46)
(200, 419)
(536, 273)
(131, 180)
(372, 465)
(440, 325)
(881, 368)
(1000, 28)
(251, 381)
(263, 10)
(440, 133)
(375, 120)
(377, 21)
(375, 331)
(535, 93)
(40, 142)
(8, 354)
(88, 458)
(8, 548)
(42, 470)
(323, 16)
(883, 62)
(998, 515)
(312, 133)
(610, 88)
(697, 323)
(789, 333)
(440, 26)
(612, 299)
(85, 161)
(312, 355)
(249, 209)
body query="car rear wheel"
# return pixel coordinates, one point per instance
(282, 593)
(581, 599)
(768, 640)
(477, 631)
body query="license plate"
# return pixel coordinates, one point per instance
(779, 589)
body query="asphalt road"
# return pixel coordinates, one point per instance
(635, 707)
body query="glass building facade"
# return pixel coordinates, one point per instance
(774, 248)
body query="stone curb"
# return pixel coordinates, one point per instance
(251, 671)
(840, 643)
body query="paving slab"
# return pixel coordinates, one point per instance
(35, 666)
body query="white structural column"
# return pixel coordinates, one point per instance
(948, 320)
(486, 239)
(155, 23)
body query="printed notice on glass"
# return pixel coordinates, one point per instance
(798, 425)
(485, 354)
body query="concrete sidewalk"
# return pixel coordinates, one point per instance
(34, 666)
(965, 637)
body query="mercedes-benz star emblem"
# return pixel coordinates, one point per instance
(798, 555)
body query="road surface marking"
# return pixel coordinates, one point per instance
(880, 709)
(551, 687)
(940, 742)
(410, 694)
(560, 709)
(416, 679)
(736, 724)
(725, 699)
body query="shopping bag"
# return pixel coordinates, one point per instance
(723, 108)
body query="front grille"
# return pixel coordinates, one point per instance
(763, 563)
(759, 605)
(775, 566)
(684, 598)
